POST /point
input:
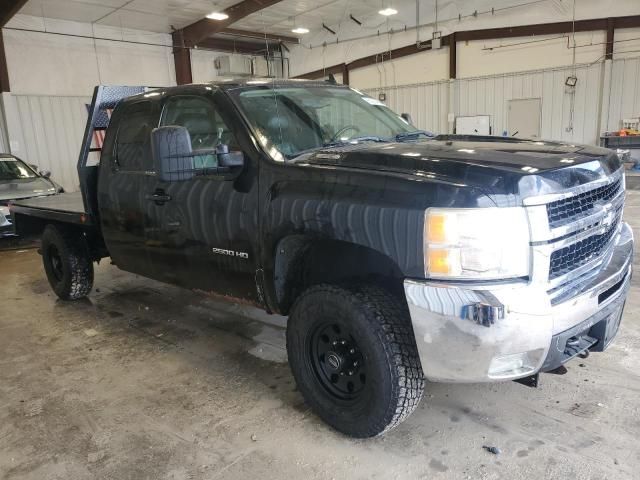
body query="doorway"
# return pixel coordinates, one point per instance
(524, 117)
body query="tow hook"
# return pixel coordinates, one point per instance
(532, 381)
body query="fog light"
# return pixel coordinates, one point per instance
(516, 364)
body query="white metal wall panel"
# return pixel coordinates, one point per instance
(428, 103)
(4, 139)
(491, 95)
(52, 129)
(624, 100)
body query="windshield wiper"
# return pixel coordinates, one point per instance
(413, 135)
(355, 140)
(341, 143)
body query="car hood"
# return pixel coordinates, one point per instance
(500, 167)
(25, 188)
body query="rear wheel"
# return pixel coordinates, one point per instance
(67, 262)
(354, 358)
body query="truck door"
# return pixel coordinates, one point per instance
(125, 176)
(202, 234)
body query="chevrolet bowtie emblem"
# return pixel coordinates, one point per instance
(609, 216)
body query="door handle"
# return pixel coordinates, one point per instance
(159, 197)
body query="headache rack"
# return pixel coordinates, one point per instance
(105, 99)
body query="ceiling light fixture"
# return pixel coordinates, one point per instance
(387, 12)
(300, 30)
(218, 16)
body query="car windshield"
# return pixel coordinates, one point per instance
(14, 169)
(290, 120)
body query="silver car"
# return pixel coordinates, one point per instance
(18, 181)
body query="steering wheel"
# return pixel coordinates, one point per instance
(343, 130)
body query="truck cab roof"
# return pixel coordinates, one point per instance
(233, 83)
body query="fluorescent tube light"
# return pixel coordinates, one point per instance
(218, 16)
(387, 12)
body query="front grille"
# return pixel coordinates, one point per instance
(580, 253)
(568, 209)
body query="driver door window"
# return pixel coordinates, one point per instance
(204, 124)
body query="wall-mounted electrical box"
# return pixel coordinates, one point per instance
(436, 41)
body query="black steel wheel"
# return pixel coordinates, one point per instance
(337, 360)
(354, 358)
(56, 262)
(67, 262)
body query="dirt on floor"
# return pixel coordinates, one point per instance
(147, 381)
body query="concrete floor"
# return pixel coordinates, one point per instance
(147, 381)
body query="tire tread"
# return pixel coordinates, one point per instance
(74, 250)
(389, 318)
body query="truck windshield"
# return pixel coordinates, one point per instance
(296, 119)
(14, 169)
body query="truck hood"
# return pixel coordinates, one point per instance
(25, 188)
(499, 167)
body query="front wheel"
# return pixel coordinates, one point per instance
(67, 262)
(354, 358)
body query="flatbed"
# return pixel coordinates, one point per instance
(66, 207)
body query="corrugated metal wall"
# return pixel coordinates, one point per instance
(624, 99)
(428, 103)
(491, 96)
(4, 138)
(52, 129)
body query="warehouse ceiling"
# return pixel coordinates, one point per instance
(160, 15)
(279, 18)
(150, 15)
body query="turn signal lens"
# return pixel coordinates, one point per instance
(439, 262)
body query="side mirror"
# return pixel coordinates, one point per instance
(46, 174)
(172, 155)
(175, 160)
(407, 118)
(227, 158)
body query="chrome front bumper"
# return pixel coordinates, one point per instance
(522, 332)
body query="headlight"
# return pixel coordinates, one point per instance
(476, 243)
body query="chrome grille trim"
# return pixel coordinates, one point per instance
(567, 211)
(547, 240)
(538, 216)
(572, 192)
(579, 252)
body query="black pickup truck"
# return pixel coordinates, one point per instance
(397, 255)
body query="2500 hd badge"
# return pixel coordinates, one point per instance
(230, 253)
